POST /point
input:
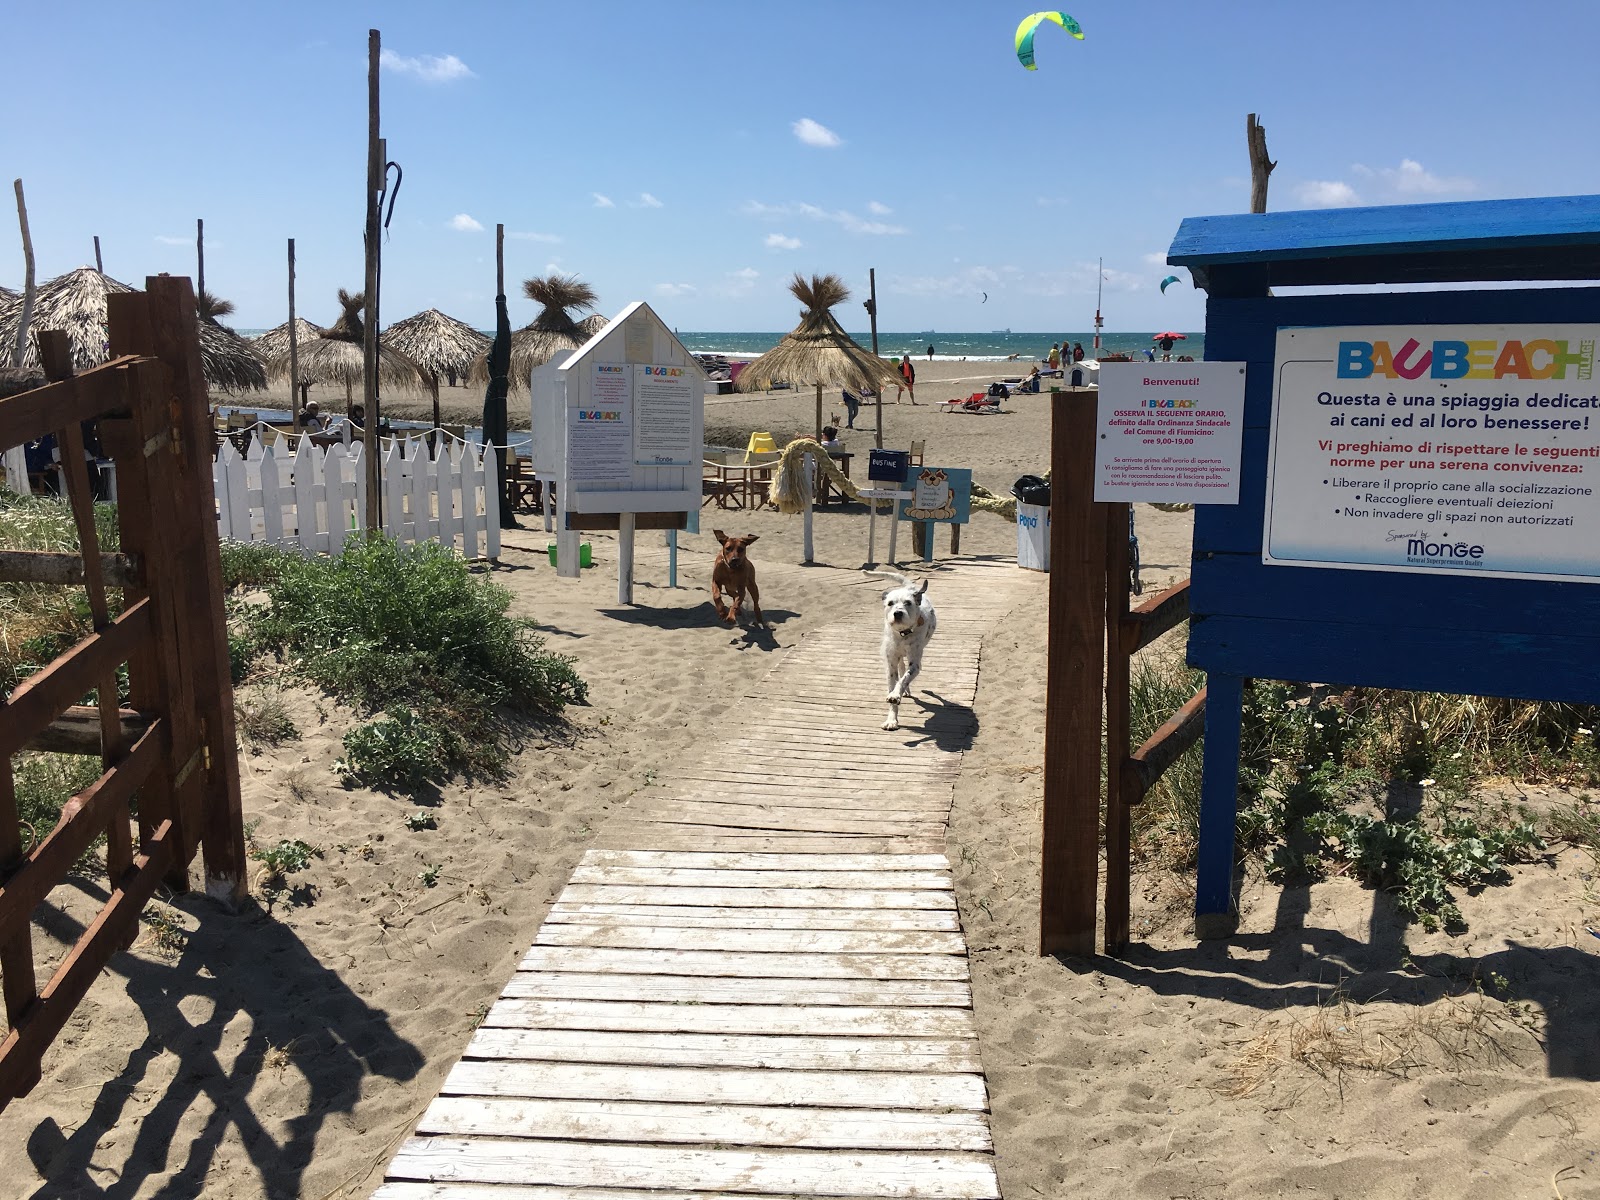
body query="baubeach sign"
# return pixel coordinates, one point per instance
(1457, 449)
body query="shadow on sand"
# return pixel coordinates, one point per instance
(297, 1016)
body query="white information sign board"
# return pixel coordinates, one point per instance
(1468, 450)
(1169, 432)
(664, 415)
(600, 430)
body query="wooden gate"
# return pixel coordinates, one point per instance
(170, 748)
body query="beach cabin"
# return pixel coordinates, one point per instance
(1420, 489)
(619, 425)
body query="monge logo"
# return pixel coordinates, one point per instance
(1441, 553)
(1540, 358)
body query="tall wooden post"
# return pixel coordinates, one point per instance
(294, 350)
(1119, 817)
(28, 288)
(200, 258)
(872, 314)
(369, 381)
(508, 506)
(98, 264)
(1260, 165)
(1070, 853)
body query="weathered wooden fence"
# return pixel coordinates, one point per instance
(171, 744)
(1093, 637)
(314, 498)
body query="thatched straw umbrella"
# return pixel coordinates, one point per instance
(554, 330)
(74, 302)
(275, 341)
(227, 360)
(336, 356)
(438, 344)
(7, 295)
(818, 351)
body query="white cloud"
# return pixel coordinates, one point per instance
(739, 283)
(674, 290)
(778, 241)
(748, 274)
(1326, 193)
(465, 224)
(848, 221)
(813, 134)
(646, 200)
(430, 68)
(551, 238)
(169, 240)
(1157, 259)
(878, 210)
(1411, 178)
(601, 201)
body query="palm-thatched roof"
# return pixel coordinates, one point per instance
(337, 354)
(229, 361)
(818, 351)
(275, 341)
(7, 294)
(14, 380)
(436, 343)
(74, 302)
(554, 330)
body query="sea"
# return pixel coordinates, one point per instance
(998, 345)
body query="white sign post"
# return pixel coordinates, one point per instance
(1169, 432)
(1467, 450)
(619, 426)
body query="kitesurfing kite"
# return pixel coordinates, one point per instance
(986, 298)
(1031, 22)
(1167, 280)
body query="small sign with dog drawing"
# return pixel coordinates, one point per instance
(939, 494)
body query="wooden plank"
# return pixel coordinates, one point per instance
(702, 1124)
(622, 833)
(767, 862)
(682, 989)
(766, 941)
(1159, 613)
(474, 1191)
(754, 1172)
(27, 415)
(748, 1051)
(640, 916)
(841, 1020)
(805, 820)
(77, 731)
(798, 802)
(731, 964)
(709, 778)
(728, 897)
(44, 566)
(1118, 818)
(788, 796)
(690, 877)
(716, 1085)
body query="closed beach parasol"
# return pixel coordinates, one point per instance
(438, 345)
(818, 351)
(336, 356)
(76, 303)
(552, 331)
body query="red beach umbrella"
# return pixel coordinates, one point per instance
(1177, 337)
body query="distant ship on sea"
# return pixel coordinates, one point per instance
(1002, 332)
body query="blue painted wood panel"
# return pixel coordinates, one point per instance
(1380, 628)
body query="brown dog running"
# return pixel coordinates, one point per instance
(734, 573)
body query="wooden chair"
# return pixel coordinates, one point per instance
(522, 485)
(915, 458)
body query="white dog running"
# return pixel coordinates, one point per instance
(908, 623)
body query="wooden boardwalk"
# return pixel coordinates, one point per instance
(756, 984)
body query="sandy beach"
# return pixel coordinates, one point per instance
(286, 1050)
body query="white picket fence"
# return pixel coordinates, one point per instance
(315, 498)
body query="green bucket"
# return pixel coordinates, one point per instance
(585, 554)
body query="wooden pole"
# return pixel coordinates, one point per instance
(1119, 844)
(1260, 165)
(819, 412)
(508, 506)
(200, 258)
(294, 350)
(28, 288)
(369, 381)
(98, 265)
(872, 313)
(1069, 859)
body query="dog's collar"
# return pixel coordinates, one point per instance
(905, 633)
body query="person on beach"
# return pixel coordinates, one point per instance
(311, 418)
(852, 405)
(1077, 351)
(830, 438)
(1166, 349)
(358, 416)
(930, 351)
(909, 374)
(1055, 357)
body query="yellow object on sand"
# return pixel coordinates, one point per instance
(760, 443)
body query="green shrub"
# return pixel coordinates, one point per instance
(383, 626)
(1159, 685)
(251, 564)
(398, 751)
(44, 783)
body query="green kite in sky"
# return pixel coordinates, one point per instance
(1031, 22)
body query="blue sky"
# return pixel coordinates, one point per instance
(696, 154)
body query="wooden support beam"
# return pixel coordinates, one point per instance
(1119, 820)
(45, 566)
(77, 731)
(1070, 849)
(81, 398)
(1161, 612)
(1162, 748)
